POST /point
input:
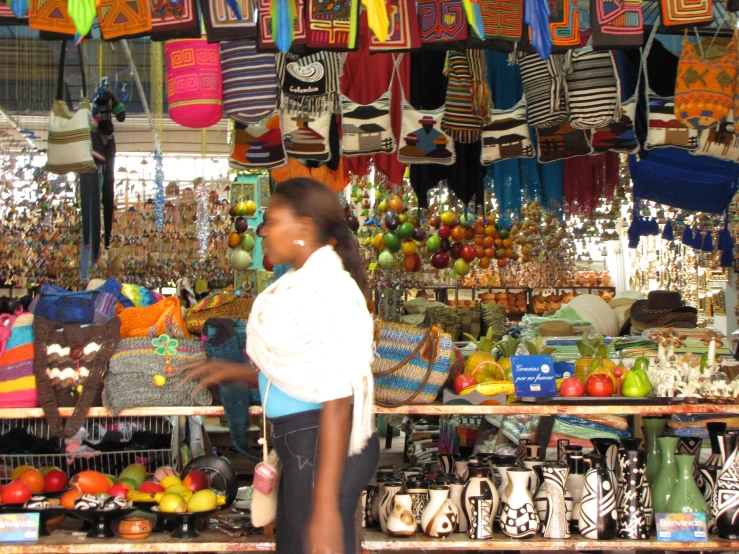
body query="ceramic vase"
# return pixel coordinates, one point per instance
(533, 451)
(709, 475)
(497, 462)
(575, 485)
(521, 451)
(562, 445)
(691, 445)
(518, 518)
(535, 481)
(726, 491)
(686, 496)
(479, 484)
(460, 469)
(419, 492)
(446, 463)
(668, 475)
(631, 443)
(598, 510)
(401, 522)
(439, 519)
(375, 504)
(386, 504)
(714, 429)
(550, 502)
(363, 505)
(371, 494)
(633, 522)
(608, 448)
(503, 489)
(653, 428)
(481, 518)
(456, 492)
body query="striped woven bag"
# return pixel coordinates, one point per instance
(411, 364)
(17, 382)
(249, 81)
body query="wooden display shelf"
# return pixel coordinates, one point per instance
(425, 409)
(373, 541)
(376, 541)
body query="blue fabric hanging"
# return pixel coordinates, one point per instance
(687, 236)
(19, 7)
(708, 242)
(536, 14)
(697, 240)
(509, 179)
(727, 258)
(668, 233)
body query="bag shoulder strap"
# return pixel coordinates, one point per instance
(60, 88)
(263, 439)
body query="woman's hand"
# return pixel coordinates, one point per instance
(325, 532)
(215, 372)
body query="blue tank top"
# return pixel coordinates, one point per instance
(280, 404)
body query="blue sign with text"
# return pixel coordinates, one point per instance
(534, 376)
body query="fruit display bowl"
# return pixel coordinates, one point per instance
(222, 477)
(185, 522)
(100, 521)
(45, 515)
(57, 494)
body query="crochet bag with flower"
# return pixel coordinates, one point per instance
(69, 365)
(149, 372)
(17, 382)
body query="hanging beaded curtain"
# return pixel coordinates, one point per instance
(30, 90)
(156, 76)
(588, 178)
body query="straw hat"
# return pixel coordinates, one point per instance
(597, 311)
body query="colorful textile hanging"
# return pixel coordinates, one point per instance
(665, 129)
(424, 141)
(249, 81)
(617, 23)
(120, 19)
(366, 128)
(564, 22)
(267, 39)
(506, 136)
(544, 89)
(719, 142)
(332, 25)
(310, 84)
(686, 13)
(173, 20)
(223, 23)
(194, 83)
(441, 21)
(502, 19)
(618, 136)
(307, 137)
(258, 146)
(587, 179)
(377, 18)
(8, 17)
(593, 93)
(403, 33)
(51, 16)
(468, 96)
(82, 13)
(474, 17)
(562, 142)
(705, 87)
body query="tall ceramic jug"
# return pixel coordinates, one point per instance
(439, 519)
(668, 474)
(519, 519)
(551, 504)
(726, 492)
(598, 509)
(478, 484)
(687, 497)
(653, 428)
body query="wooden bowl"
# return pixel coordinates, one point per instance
(134, 528)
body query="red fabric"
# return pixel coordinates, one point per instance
(588, 178)
(366, 78)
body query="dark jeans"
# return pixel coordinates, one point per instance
(295, 438)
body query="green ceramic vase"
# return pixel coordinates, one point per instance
(668, 475)
(653, 428)
(686, 496)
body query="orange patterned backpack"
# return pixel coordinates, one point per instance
(705, 87)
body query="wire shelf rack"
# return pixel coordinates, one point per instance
(109, 462)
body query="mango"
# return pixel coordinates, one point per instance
(202, 501)
(172, 503)
(136, 472)
(170, 480)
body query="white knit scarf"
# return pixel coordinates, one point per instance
(311, 333)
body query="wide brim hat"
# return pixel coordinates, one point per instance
(657, 304)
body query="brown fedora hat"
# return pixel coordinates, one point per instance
(657, 304)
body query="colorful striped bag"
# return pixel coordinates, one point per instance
(249, 81)
(194, 83)
(149, 372)
(17, 382)
(411, 364)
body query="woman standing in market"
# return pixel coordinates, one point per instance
(309, 340)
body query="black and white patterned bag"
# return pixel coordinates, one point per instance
(544, 89)
(593, 91)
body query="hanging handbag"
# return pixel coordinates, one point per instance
(266, 477)
(367, 128)
(194, 83)
(686, 13)
(69, 147)
(17, 381)
(616, 25)
(128, 19)
(544, 89)
(149, 372)
(442, 23)
(411, 364)
(258, 145)
(162, 318)
(562, 142)
(506, 135)
(52, 16)
(69, 365)
(222, 22)
(593, 89)
(249, 82)
(705, 87)
(403, 34)
(172, 20)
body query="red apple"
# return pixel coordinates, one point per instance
(150, 486)
(468, 252)
(16, 492)
(120, 490)
(572, 386)
(599, 385)
(463, 381)
(445, 231)
(55, 481)
(196, 481)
